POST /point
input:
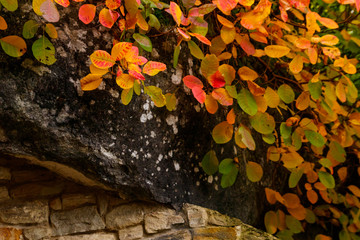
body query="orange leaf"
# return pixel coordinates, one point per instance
(108, 17)
(325, 196)
(331, 52)
(64, 3)
(276, 51)
(223, 132)
(355, 190)
(291, 200)
(125, 81)
(260, 102)
(227, 34)
(175, 11)
(230, 117)
(91, 82)
(247, 74)
(113, 4)
(211, 104)
(225, 22)
(248, 140)
(320, 186)
(191, 81)
(3, 24)
(152, 68)
(270, 195)
(259, 37)
(226, 5)
(201, 38)
(271, 222)
(255, 18)
(303, 101)
(281, 220)
(299, 212)
(302, 43)
(271, 97)
(291, 159)
(312, 196)
(245, 44)
(222, 96)
(342, 173)
(120, 49)
(329, 40)
(87, 13)
(95, 70)
(199, 94)
(312, 176)
(296, 65)
(329, 23)
(255, 89)
(246, 3)
(102, 59)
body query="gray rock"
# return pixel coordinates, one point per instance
(29, 212)
(37, 233)
(76, 221)
(124, 216)
(131, 233)
(161, 220)
(196, 215)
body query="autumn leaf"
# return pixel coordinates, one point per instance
(152, 68)
(222, 133)
(276, 51)
(102, 59)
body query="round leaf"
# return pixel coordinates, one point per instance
(271, 222)
(210, 163)
(327, 179)
(44, 51)
(315, 138)
(91, 82)
(87, 13)
(276, 51)
(226, 166)
(254, 171)
(222, 133)
(286, 93)
(144, 41)
(13, 46)
(10, 5)
(102, 59)
(263, 123)
(229, 179)
(126, 96)
(247, 102)
(195, 50)
(30, 28)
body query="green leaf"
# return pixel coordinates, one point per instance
(200, 26)
(327, 179)
(296, 140)
(285, 235)
(44, 51)
(210, 163)
(126, 96)
(254, 171)
(170, 101)
(232, 91)
(344, 235)
(310, 216)
(268, 138)
(223, 132)
(209, 65)
(30, 28)
(263, 123)
(226, 165)
(315, 138)
(137, 88)
(285, 131)
(293, 224)
(286, 93)
(176, 55)
(229, 179)
(337, 152)
(325, 162)
(154, 22)
(247, 102)
(10, 5)
(156, 95)
(13, 46)
(295, 176)
(144, 41)
(315, 89)
(195, 50)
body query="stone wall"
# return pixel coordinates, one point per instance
(36, 204)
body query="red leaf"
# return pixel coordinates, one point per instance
(176, 12)
(64, 3)
(201, 38)
(87, 13)
(199, 94)
(192, 81)
(217, 80)
(245, 44)
(107, 17)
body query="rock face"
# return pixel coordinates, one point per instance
(139, 150)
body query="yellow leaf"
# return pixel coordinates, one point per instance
(296, 65)
(329, 40)
(176, 12)
(247, 74)
(312, 54)
(95, 70)
(276, 51)
(90, 82)
(303, 101)
(291, 159)
(271, 222)
(254, 171)
(125, 81)
(222, 133)
(271, 97)
(327, 22)
(227, 34)
(225, 22)
(261, 103)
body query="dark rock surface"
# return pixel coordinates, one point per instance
(140, 150)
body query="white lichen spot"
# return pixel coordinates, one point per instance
(158, 169)
(210, 179)
(148, 181)
(216, 178)
(171, 120)
(96, 33)
(147, 142)
(135, 154)
(148, 155)
(216, 187)
(191, 64)
(170, 153)
(176, 78)
(166, 170)
(152, 134)
(149, 116)
(143, 118)
(176, 166)
(114, 93)
(197, 183)
(92, 102)
(110, 155)
(196, 169)
(146, 106)
(112, 144)
(102, 85)
(160, 157)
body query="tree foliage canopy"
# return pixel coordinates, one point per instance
(292, 58)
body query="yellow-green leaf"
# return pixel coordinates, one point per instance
(195, 50)
(263, 123)
(223, 132)
(126, 96)
(286, 93)
(327, 179)
(210, 163)
(247, 102)
(254, 171)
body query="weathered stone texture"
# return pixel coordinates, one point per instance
(33, 175)
(131, 233)
(10, 234)
(76, 200)
(55, 204)
(124, 216)
(216, 218)
(4, 194)
(197, 216)
(38, 233)
(5, 173)
(93, 236)
(210, 233)
(37, 190)
(161, 220)
(76, 221)
(29, 212)
(173, 235)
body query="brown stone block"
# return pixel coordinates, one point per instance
(30, 212)
(33, 175)
(4, 194)
(93, 236)
(197, 216)
(173, 235)
(32, 190)
(5, 174)
(161, 220)
(219, 233)
(124, 216)
(38, 233)
(76, 221)
(76, 200)
(131, 233)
